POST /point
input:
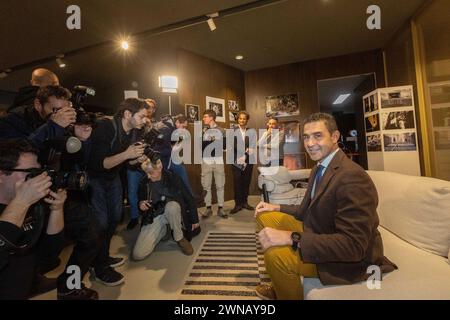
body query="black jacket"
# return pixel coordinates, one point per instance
(25, 122)
(17, 270)
(174, 190)
(25, 97)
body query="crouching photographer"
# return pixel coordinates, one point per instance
(164, 200)
(31, 218)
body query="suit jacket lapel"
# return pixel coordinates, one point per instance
(329, 173)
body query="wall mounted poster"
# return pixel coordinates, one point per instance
(374, 142)
(233, 105)
(192, 112)
(218, 105)
(400, 142)
(372, 123)
(397, 120)
(282, 105)
(396, 97)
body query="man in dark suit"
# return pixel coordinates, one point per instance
(242, 167)
(333, 234)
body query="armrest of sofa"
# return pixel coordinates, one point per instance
(301, 174)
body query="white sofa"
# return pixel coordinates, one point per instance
(414, 224)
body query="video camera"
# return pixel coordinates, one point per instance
(75, 181)
(79, 96)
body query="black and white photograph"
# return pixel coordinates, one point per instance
(374, 143)
(397, 120)
(400, 142)
(282, 105)
(233, 116)
(192, 112)
(233, 105)
(396, 97)
(218, 106)
(442, 139)
(373, 123)
(441, 117)
(373, 103)
(366, 105)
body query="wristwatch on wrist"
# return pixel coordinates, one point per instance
(295, 236)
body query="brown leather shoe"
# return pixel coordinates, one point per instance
(186, 247)
(266, 292)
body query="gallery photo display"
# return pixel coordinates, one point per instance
(397, 120)
(192, 112)
(218, 106)
(374, 142)
(233, 105)
(373, 123)
(396, 97)
(400, 142)
(282, 105)
(370, 103)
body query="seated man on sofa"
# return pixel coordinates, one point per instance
(333, 234)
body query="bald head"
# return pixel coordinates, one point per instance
(42, 78)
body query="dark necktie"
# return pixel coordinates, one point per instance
(318, 177)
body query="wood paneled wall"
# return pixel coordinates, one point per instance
(199, 77)
(302, 78)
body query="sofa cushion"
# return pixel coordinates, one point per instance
(420, 275)
(293, 197)
(417, 209)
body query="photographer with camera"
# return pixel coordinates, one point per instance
(45, 120)
(164, 199)
(23, 215)
(112, 148)
(134, 172)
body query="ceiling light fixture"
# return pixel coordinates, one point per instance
(210, 21)
(125, 45)
(239, 57)
(342, 98)
(59, 60)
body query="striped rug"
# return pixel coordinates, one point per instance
(228, 266)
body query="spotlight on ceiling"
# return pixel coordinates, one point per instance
(125, 45)
(59, 60)
(239, 57)
(210, 21)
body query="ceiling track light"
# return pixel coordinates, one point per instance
(210, 21)
(59, 60)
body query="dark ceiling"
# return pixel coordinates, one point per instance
(276, 33)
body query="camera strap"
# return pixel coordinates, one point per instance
(113, 121)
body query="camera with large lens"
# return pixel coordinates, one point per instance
(74, 181)
(150, 140)
(156, 209)
(79, 96)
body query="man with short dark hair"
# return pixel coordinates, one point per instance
(333, 233)
(112, 147)
(46, 119)
(212, 163)
(19, 197)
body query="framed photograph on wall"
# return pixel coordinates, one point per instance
(282, 105)
(233, 116)
(397, 120)
(233, 105)
(218, 105)
(192, 112)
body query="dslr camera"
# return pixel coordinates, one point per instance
(156, 209)
(150, 140)
(74, 181)
(79, 96)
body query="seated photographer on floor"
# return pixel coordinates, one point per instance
(24, 217)
(164, 199)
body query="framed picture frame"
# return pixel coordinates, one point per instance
(218, 105)
(192, 112)
(282, 105)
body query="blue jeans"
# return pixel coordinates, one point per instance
(134, 177)
(106, 201)
(180, 171)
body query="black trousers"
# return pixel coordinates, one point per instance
(82, 227)
(242, 179)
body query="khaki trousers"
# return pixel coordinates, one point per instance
(283, 264)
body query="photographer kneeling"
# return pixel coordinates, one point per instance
(21, 216)
(164, 199)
